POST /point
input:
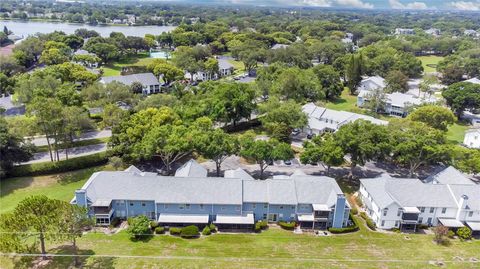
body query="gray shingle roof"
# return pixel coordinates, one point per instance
(472, 192)
(127, 185)
(144, 78)
(450, 175)
(191, 169)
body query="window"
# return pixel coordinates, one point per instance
(470, 214)
(429, 221)
(222, 208)
(254, 206)
(187, 206)
(444, 210)
(165, 206)
(293, 207)
(385, 211)
(264, 216)
(181, 206)
(399, 212)
(422, 209)
(432, 209)
(237, 208)
(420, 220)
(292, 215)
(397, 223)
(383, 223)
(131, 204)
(201, 207)
(143, 204)
(281, 207)
(265, 206)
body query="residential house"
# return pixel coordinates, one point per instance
(433, 31)
(321, 120)
(448, 199)
(396, 104)
(315, 202)
(88, 64)
(472, 138)
(225, 68)
(279, 46)
(149, 82)
(470, 32)
(404, 31)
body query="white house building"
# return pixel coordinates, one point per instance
(404, 31)
(86, 63)
(371, 83)
(472, 138)
(321, 120)
(150, 83)
(224, 69)
(433, 31)
(471, 32)
(448, 198)
(473, 80)
(279, 46)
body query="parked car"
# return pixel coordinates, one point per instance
(295, 131)
(310, 136)
(287, 162)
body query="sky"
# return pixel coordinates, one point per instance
(466, 5)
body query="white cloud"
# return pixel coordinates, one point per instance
(354, 3)
(316, 3)
(395, 4)
(466, 5)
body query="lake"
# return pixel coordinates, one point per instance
(26, 28)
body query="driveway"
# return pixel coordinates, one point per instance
(72, 152)
(42, 141)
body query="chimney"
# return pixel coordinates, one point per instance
(81, 197)
(338, 215)
(461, 206)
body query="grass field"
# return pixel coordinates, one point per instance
(429, 62)
(456, 132)
(273, 248)
(346, 102)
(114, 69)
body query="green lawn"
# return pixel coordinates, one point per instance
(238, 66)
(346, 102)
(58, 186)
(114, 69)
(273, 248)
(456, 132)
(429, 62)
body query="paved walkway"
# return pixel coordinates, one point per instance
(72, 152)
(42, 141)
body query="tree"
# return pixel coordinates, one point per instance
(330, 81)
(323, 149)
(434, 116)
(53, 56)
(231, 102)
(75, 222)
(426, 85)
(464, 159)
(136, 87)
(36, 216)
(12, 148)
(139, 227)
(116, 162)
(263, 152)
(464, 233)
(297, 84)
(167, 71)
(216, 145)
(396, 81)
(28, 51)
(105, 51)
(354, 72)
(415, 144)
(112, 115)
(211, 67)
(287, 114)
(377, 100)
(440, 234)
(363, 141)
(461, 96)
(451, 74)
(74, 120)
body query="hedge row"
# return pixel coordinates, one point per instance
(43, 168)
(349, 229)
(369, 221)
(287, 225)
(261, 225)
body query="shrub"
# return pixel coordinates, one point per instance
(206, 231)
(263, 224)
(450, 234)
(371, 224)
(212, 227)
(115, 222)
(139, 227)
(349, 229)
(354, 211)
(287, 225)
(43, 168)
(359, 201)
(464, 233)
(422, 226)
(363, 215)
(154, 224)
(440, 233)
(396, 230)
(159, 230)
(175, 231)
(189, 231)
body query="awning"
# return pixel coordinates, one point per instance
(320, 207)
(452, 223)
(411, 209)
(182, 218)
(305, 217)
(232, 219)
(475, 226)
(102, 202)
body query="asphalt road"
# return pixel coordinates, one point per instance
(72, 152)
(42, 141)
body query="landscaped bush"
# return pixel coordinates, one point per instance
(464, 233)
(154, 224)
(396, 230)
(43, 168)
(287, 225)
(349, 229)
(139, 227)
(206, 231)
(212, 227)
(354, 211)
(450, 234)
(371, 224)
(422, 226)
(189, 231)
(115, 222)
(159, 230)
(363, 215)
(175, 231)
(260, 225)
(359, 201)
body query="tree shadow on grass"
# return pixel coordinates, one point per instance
(10, 185)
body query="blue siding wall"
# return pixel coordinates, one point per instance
(338, 217)
(120, 207)
(304, 208)
(135, 208)
(81, 197)
(284, 211)
(258, 209)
